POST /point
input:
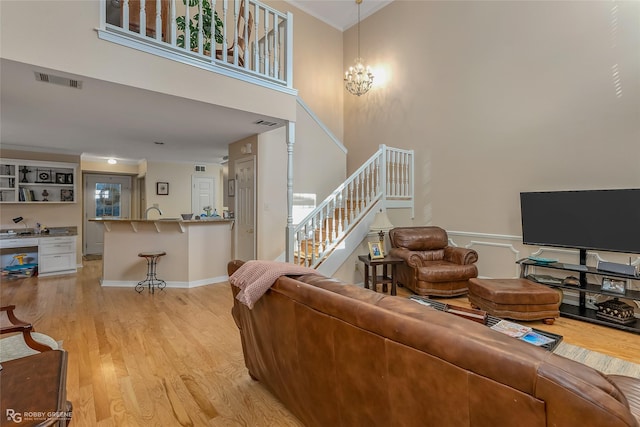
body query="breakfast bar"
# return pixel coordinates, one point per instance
(197, 251)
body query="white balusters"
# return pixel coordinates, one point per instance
(276, 46)
(187, 28)
(173, 31)
(266, 44)
(125, 15)
(158, 17)
(143, 18)
(266, 33)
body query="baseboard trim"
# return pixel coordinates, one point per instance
(170, 284)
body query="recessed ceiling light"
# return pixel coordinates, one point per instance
(112, 161)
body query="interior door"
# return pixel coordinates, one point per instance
(203, 194)
(104, 196)
(245, 210)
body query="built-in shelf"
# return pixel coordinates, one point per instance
(30, 181)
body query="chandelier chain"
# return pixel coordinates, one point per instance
(358, 79)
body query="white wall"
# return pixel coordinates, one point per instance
(498, 98)
(178, 175)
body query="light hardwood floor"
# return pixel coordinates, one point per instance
(174, 358)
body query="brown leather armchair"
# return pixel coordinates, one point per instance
(431, 267)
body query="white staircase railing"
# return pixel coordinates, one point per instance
(241, 35)
(386, 176)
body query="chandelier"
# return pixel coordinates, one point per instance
(358, 79)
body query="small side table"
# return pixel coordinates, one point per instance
(385, 278)
(34, 390)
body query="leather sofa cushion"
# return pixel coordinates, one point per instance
(630, 387)
(443, 271)
(420, 238)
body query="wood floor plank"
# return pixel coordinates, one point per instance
(174, 358)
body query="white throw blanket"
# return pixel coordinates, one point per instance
(255, 277)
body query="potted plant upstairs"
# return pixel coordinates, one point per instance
(194, 23)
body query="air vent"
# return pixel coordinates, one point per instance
(57, 80)
(265, 123)
(200, 168)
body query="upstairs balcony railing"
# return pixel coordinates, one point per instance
(239, 35)
(386, 176)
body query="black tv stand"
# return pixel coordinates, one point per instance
(581, 312)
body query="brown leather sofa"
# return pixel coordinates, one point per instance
(340, 355)
(432, 267)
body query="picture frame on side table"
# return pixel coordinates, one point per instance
(375, 251)
(614, 285)
(162, 188)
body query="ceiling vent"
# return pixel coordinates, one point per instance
(265, 123)
(57, 80)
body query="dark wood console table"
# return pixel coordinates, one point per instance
(34, 391)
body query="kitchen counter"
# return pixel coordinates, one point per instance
(53, 252)
(30, 233)
(197, 250)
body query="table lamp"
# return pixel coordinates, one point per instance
(381, 224)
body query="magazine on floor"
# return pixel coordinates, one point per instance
(510, 328)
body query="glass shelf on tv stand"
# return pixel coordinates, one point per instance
(581, 312)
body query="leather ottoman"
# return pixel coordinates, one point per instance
(517, 299)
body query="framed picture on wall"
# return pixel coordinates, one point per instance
(162, 188)
(232, 188)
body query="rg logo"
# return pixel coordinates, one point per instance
(14, 416)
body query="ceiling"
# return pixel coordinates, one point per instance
(103, 120)
(340, 14)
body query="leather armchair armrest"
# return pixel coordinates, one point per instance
(461, 256)
(412, 258)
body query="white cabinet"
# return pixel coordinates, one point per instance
(30, 181)
(57, 255)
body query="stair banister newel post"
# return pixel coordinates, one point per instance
(291, 137)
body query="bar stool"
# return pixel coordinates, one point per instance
(151, 281)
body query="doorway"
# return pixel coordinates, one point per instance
(203, 193)
(245, 209)
(105, 196)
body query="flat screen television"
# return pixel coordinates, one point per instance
(606, 220)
